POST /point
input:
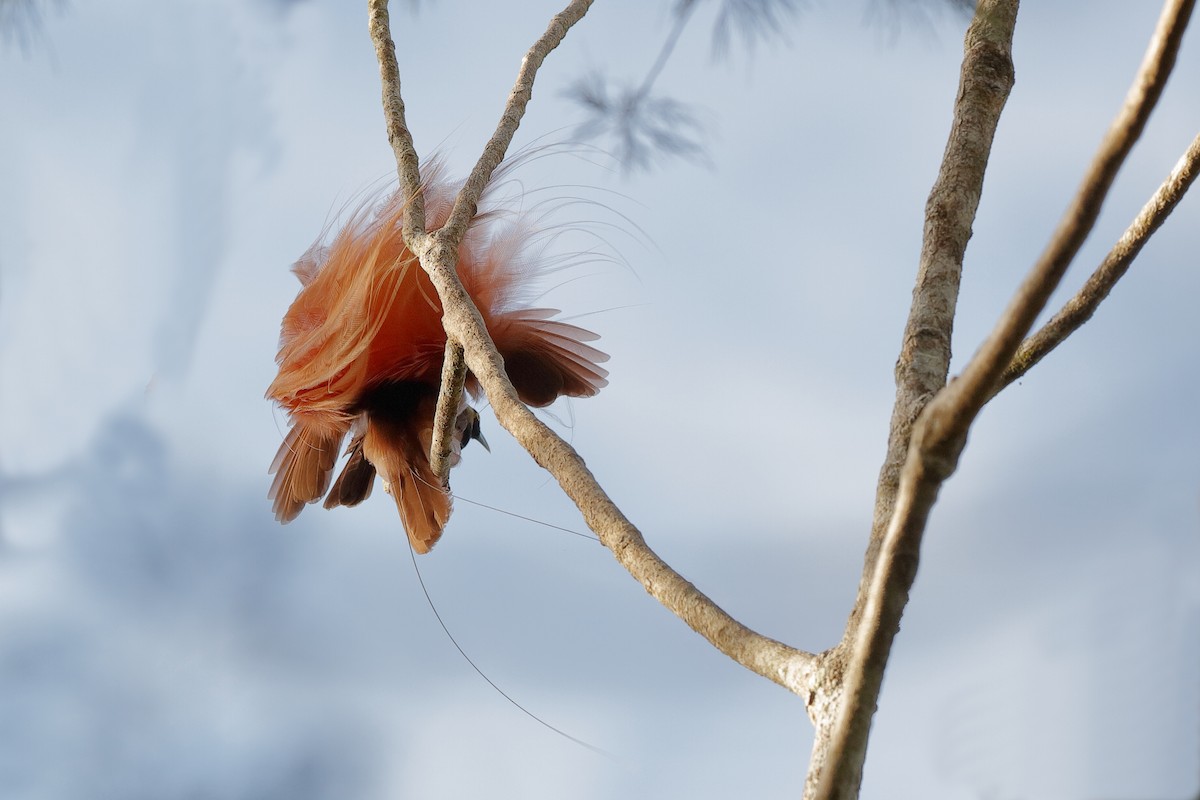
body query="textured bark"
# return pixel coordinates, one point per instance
(985, 81)
(778, 662)
(924, 363)
(940, 433)
(922, 368)
(454, 373)
(930, 418)
(407, 163)
(1079, 309)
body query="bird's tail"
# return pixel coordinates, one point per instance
(303, 465)
(398, 447)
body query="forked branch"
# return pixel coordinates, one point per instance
(981, 375)
(784, 665)
(941, 430)
(1079, 309)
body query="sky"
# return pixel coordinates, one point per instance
(161, 636)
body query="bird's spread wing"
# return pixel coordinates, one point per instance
(546, 358)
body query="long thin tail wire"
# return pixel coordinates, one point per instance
(420, 580)
(587, 536)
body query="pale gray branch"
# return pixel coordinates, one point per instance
(941, 430)
(454, 373)
(924, 363)
(437, 252)
(981, 374)
(408, 165)
(780, 663)
(467, 203)
(985, 82)
(1079, 309)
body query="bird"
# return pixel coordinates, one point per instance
(361, 350)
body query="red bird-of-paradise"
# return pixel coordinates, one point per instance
(361, 350)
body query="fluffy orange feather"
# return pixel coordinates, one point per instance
(361, 349)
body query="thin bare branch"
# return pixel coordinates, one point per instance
(454, 372)
(780, 663)
(451, 234)
(941, 430)
(1079, 309)
(980, 376)
(467, 203)
(784, 665)
(408, 165)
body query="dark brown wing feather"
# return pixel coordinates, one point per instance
(302, 467)
(546, 358)
(356, 480)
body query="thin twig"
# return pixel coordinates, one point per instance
(940, 432)
(451, 234)
(408, 165)
(787, 666)
(1079, 309)
(981, 374)
(467, 203)
(454, 371)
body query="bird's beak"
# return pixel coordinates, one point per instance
(476, 433)
(468, 424)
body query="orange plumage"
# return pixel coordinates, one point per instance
(361, 351)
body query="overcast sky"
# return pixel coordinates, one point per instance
(162, 166)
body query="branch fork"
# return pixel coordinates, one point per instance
(931, 417)
(466, 333)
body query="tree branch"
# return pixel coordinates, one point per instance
(454, 372)
(985, 81)
(467, 203)
(784, 665)
(982, 373)
(941, 430)
(924, 362)
(408, 165)
(1079, 309)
